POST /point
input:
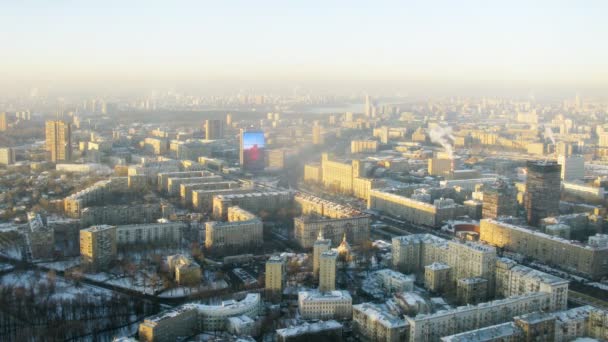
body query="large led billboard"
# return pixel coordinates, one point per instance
(252, 146)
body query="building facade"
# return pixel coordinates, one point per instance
(241, 230)
(377, 325)
(59, 140)
(275, 276)
(325, 305)
(465, 318)
(543, 184)
(327, 271)
(572, 256)
(414, 211)
(98, 245)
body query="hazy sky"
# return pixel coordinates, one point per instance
(548, 41)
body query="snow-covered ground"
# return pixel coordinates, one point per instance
(64, 289)
(599, 286)
(5, 267)
(62, 265)
(140, 282)
(11, 252)
(186, 291)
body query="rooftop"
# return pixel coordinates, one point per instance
(315, 295)
(421, 238)
(98, 228)
(437, 266)
(251, 299)
(541, 234)
(376, 313)
(493, 332)
(307, 328)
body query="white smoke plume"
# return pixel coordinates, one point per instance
(444, 137)
(549, 135)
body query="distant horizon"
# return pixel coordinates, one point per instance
(87, 43)
(384, 88)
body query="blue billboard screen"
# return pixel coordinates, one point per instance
(253, 150)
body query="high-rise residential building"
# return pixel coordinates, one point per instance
(384, 134)
(98, 245)
(3, 122)
(320, 246)
(214, 129)
(573, 167)
(317, 134)
(59, 140)
(499, 199)
(542, 190)
(369, 107)
(363, 146)
(229, 120)
(275, 276)
(7, 156)
(564, 148)
(327, 271)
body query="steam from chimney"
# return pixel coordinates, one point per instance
(444, 137)
(549, 134)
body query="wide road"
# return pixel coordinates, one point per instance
(583, 299)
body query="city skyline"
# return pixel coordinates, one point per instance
(381, 171)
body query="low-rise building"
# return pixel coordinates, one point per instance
(97, 194)
(386, 282)
(242, 230)
(330, 330)
(164, 232)
(377, 325)
(325, 305)
(569, 255)
(214, 317)
(7, 156)
(243, 325)
(414, 211)
(436, 277)
(168, 326)
(472, 290)
(40, 237)
(202, 200)
(174, 183)
(333, 219)
(185, 270)
(363, 146)
(255, 201)
(186, 189)
(465, 318)
(121, 214)
(561, 326)
(513, 279)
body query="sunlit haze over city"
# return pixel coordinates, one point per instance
(292, 171)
